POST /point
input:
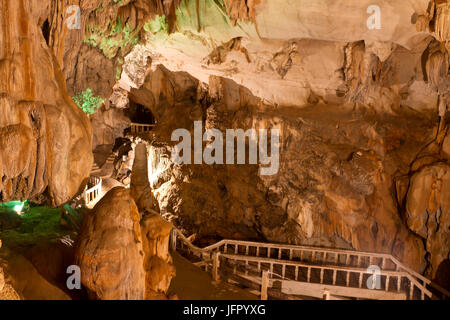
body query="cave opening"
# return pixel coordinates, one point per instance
(140, 114)
(46, 31)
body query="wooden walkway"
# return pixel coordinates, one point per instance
(137, 128)
(292, 272)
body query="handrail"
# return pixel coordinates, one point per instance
(412, 275)
(304, 248)
(143, 124)
(135, 127)
(95, 190)
(421, 277)
(306, 265)
(189, 244)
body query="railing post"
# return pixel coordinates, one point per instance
(216, 264)
(326, 294)
(387, 283)
(264, 284)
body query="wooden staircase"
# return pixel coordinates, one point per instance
(295, 272)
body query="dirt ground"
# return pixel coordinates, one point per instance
(192, 283)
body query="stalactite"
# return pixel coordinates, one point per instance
(442, 21)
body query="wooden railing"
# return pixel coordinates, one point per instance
(93, 190)
(137, 128)
(341, 272)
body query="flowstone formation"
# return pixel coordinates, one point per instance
(122, 257)
(45, 139)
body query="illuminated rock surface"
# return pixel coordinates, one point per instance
(44, 137)
(364, 141)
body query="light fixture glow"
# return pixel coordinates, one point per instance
(18, 208)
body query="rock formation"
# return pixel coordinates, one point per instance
(19, 280)
(7, 292)
(120, 256)
(140, 185)
(158, 262)
(47, 136)
(109, 250)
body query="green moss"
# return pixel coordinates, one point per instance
(158, 24)
(42, 225)
(37, 225)
(114, 40)
(200, 27)
(118, 73)
(87, 101)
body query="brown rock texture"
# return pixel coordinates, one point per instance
(7, 292)
(45, 138)
(85, 65)
(140, 186)
(121, 257)
(428, 210)
(21, 280)
(158, 262)
(335, 183)
(109, 250)
(108, 124)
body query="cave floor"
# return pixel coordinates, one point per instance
(192, 283)
(38, 225)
